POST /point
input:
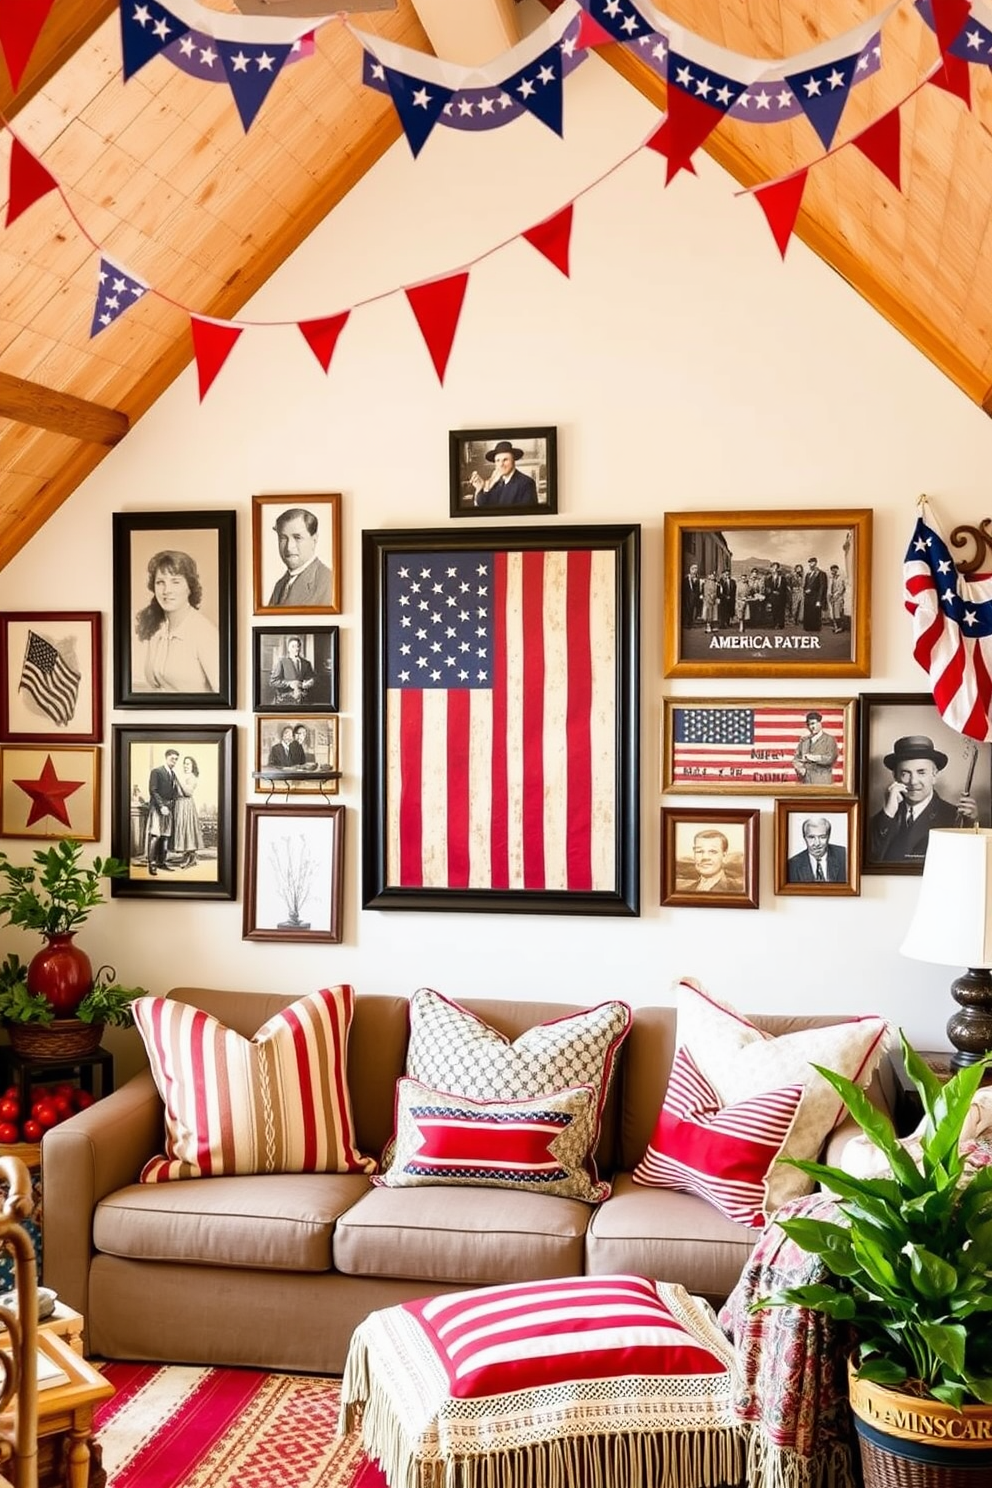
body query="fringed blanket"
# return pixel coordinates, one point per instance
(791, 1383)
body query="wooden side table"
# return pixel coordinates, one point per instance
(65, 1418)
(21, 1070)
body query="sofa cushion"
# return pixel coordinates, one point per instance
(277, 1103)
(467, 1236)
(722, 1153)
(280, 1222)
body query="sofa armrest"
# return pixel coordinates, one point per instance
(84, 1159)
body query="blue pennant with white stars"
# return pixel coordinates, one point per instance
(538, 86)
(620, 18)
(418, 104)
(822, 93)
(251, 70)
(118, 291)
(146, 30)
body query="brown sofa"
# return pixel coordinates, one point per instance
(275, 1271)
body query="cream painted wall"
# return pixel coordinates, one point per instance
(685, 366)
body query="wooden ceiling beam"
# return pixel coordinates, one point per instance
(70, 23)
(470, 32)
(62, 413)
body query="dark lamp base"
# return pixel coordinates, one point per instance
(970, 1030)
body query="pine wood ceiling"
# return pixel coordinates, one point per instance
(161, 175)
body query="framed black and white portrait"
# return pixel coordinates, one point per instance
(818, 848)
(296, 554)
(295, 669)
(709, 858)
(502, 472)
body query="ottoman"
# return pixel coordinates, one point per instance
(587, 1380)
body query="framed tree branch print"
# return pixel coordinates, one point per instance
(501, 720)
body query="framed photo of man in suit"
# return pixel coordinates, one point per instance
(709, 858)
(817, 848)
(295, 669)
(502, 472)
(296, 554)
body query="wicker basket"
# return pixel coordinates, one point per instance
(62, 1041)
(908, 1442)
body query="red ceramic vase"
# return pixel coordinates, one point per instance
(62, 973)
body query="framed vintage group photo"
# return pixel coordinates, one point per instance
(305, 746)
(52, 683)
(175, 601)
(295, 668)
(709, 858)
(916, 773)
(50, 791)
(172, 817)
(818, 848)
(503, 472)
(294, 873)
(759, 746)
(296, 554)
(768, 594)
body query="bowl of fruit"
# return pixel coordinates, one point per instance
(22, 1126)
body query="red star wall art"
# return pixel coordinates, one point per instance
(49, 793)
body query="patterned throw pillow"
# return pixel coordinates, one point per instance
(276, 1103)
(540, 1145)
(723, 1154)
(740, 1061)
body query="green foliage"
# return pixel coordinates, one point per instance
(56, 896)
(912, 1254)
(108, 1002)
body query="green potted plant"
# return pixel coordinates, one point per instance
(910, 1262)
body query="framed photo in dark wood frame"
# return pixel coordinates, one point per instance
(294, 873)
(503, 472)
(175, 605)
(172, 817)
(818, 848)
(295, 668)
(709, 858)
(50, 661)
(50, 791)
(296, 554)
(500, 738)
(768, 594)
(758, 746)
(911, 757)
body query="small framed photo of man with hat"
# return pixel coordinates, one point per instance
(503, 472)
(916, 773)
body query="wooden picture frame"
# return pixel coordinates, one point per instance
(709, 858)
(819, 835)
(51, 665)
(315, 735)
(953, 766)
(50, 791)
(193, 849)
(295, 668)
(294, 873)
(481, 793)
(758, 622)
(301, 535)
(758, 746)
(479, 459)
(175, 608)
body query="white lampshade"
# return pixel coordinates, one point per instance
(953, 921)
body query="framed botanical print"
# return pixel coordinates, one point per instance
(50, 663)
(759, 746)
(294, 873)
(296, 554)
(768, 594)
(709, 858)
(818, 848)
(503, 472)
(295, 668)
(50, 791)
(175, 601)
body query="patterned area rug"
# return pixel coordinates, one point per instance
(188, 1427)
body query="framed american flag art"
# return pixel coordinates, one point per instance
(50, 665)
(501, 765)
(759, 746)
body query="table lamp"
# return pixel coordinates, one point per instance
(953, 927)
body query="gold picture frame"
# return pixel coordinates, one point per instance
(818, 830)
(709, 858)
(758, 746)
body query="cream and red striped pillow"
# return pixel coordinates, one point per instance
(275, 1103)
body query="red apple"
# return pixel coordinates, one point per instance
(32, 1131)
(45, 1114)
(10, 1109)
(8, 1133)
(83, 1100)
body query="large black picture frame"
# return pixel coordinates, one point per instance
(526, 592)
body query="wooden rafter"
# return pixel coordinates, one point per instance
(30, 403)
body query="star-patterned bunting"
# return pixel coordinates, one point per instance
(822, 93)
(698, 98)
(49, 794)
(146, 30)
(621, 20)
(418, 104)
(251, 71)
(118, 291)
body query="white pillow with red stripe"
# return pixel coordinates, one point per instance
(722, 1153)
(540, 1146)
(275, 1103)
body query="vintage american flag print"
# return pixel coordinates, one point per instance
(501, 704)
(746, 745)
(48, 678)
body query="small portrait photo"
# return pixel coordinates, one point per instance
(295, 669)
(817, 848)
(296, 554)
(50, 677)
(503, 472)
(709, 858)
(300, 751)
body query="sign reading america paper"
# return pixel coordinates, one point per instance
(754, 747)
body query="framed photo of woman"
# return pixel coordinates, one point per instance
(174, 610)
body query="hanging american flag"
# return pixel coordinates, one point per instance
(952, 629)
(751, 745)
(48, 678)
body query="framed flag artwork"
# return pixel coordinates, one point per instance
(50, 791)
(759, 746)
(50, 665)
(501, 720)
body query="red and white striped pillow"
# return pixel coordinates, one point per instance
(723, 1154)
(275, 1103)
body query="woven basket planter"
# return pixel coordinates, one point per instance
(65, 1039)
(908, 1442)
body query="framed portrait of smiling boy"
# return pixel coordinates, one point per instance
(709, 858)
(768, 594)
(296, 554)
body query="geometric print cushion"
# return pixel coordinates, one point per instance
(739, 1061)
(275, 1103)
(539, 1146)
(723, 1154)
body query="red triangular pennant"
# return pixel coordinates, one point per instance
(552, 238)
(212, 343)
(29, 181)
(659, 143)
(20, 27)
(881, 144)
(591, 33)
(437, 307)
(780, 202)
(322, 335)
(689, 122)
(954, 76)
(948, 18)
